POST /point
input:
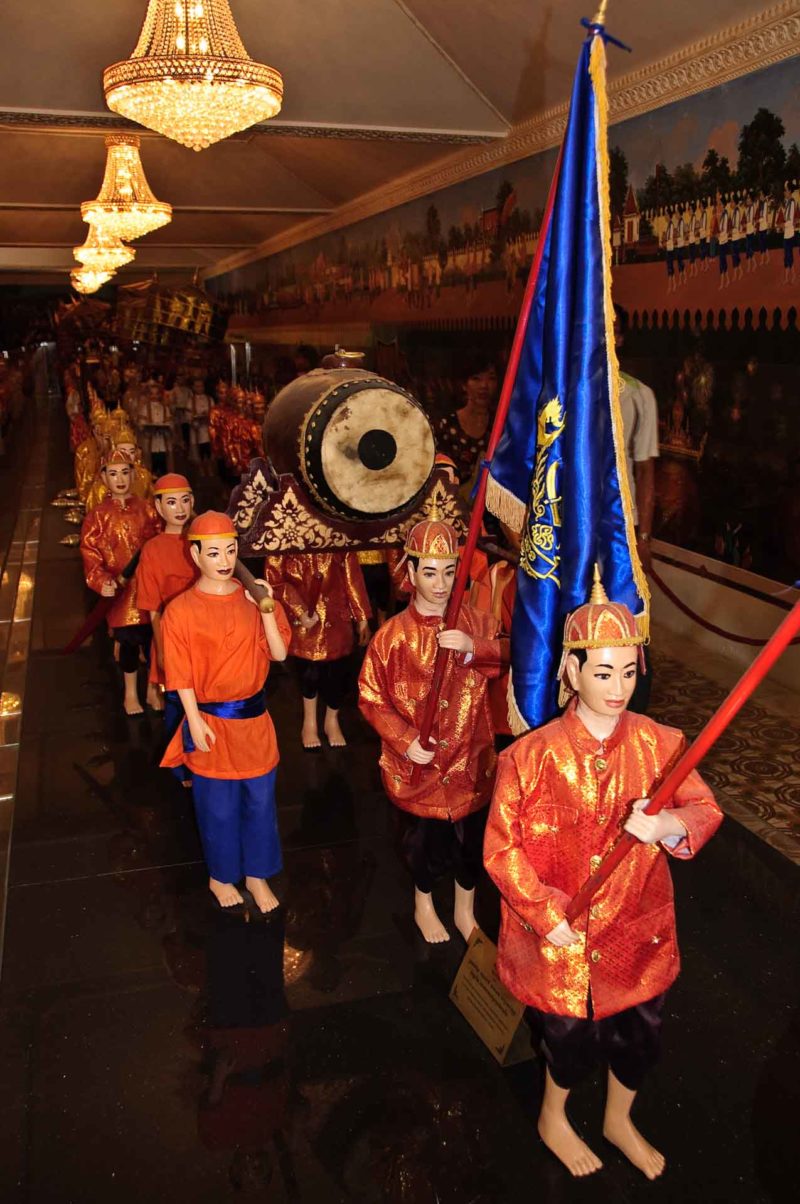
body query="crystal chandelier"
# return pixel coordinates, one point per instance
(125, 205)
(85, 280)
(102, 251)
(190, 77)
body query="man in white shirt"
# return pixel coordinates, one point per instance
(640, 424)
(640, 428)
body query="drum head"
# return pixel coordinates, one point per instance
(376, 451)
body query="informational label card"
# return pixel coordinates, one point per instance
(495, 1015)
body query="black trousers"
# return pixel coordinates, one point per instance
(328, 679)
(378, 583)
(131, 641)
(628, 1042)
(434, 847)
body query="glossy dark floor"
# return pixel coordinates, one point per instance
(149, 1050)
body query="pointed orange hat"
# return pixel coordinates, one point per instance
(598, 624)
(432, 539)
(172, 482)
(116, 455)
(211, 525)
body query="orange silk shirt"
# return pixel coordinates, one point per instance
(495, 590)
(216, 645)
(110, 537)
(165, 570)
(393, 689)
(559, 803)
(332, 584)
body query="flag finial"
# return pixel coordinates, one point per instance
(598, 594)
(599, 17)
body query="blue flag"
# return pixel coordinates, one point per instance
(559, 475)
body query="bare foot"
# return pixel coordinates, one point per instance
(155, 698)
(561, 1139)
(310, 737)
(463, 914)
(626, 1137)
(333, 731)
(225, 892)
(259, 889)
(427, 920)
(132, 706)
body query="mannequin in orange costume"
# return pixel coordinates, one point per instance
(494, 589)
(442, 813)
(563, 793)
(78, 426)
(124, 440)
(89, 454)
(324, 595)
(218, 646)
(110, 536)
(165, 566)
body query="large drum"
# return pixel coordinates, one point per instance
(361, 445)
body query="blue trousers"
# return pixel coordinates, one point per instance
(238, 826)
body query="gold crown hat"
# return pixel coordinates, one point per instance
(432, 539)
(599, 623)
(116, 455)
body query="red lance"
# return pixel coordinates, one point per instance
(751, 678)
(476, 518)
(100, 610)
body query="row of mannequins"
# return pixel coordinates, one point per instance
(537, 813)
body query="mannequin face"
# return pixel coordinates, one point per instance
(215, 558)
(175, 509)
(606, 680)
(433, 584)
(118, 479)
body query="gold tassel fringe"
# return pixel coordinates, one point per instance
(503, 504)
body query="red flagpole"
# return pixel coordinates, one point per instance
(479, 506)
(751, 678)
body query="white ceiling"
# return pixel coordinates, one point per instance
(374, 89)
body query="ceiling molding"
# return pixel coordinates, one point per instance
(90, 123)
(760, 41)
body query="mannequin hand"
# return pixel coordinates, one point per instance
(309, 621)
(419, 755)
(562, 935)
(109, 589)
(265, 585)
(202, 735)
(650, 829)
(363, 633)
(457, 641)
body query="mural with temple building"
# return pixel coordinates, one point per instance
(705, 199)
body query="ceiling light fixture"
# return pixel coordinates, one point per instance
(190, 78)
(103, 251)
(125, 205)
(84, 280)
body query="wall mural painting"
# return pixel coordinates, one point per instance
(706, 241)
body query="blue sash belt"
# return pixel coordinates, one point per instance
(239, 708)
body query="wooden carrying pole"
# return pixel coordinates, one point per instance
(476, 518)
(716, 725)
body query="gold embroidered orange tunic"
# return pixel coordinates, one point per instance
(110, 537)
(393, 688)
(330, 583)
(87, 466)
(559, 803)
